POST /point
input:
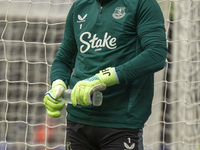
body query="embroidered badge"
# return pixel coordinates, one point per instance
(119, 12)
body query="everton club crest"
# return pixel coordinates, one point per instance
(119, 12)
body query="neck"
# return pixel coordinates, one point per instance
(103, 1)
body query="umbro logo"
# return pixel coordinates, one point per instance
(81, 19)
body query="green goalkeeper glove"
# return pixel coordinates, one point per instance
(52, 98)
(82, 91)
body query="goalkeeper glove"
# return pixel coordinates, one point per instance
(52, 98)
(82, 91)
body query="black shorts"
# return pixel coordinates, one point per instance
(85, 137)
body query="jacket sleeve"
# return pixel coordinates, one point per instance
(152, 39)
(65, 57)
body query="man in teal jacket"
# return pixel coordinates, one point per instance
(114, 46)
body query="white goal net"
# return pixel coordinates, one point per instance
(30, 34)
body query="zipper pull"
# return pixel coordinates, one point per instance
(100, 11)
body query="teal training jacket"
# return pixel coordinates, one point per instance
(126, 34)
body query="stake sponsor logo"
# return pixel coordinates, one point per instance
(90, 41)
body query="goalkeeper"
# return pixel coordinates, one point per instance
(112, 46)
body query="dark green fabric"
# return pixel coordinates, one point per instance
(126, 34)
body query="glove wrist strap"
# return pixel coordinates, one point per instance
(108, 76)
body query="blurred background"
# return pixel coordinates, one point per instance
(30, 34)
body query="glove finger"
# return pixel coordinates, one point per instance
(86, 96)
(48, 103)
(59, 91)
(54, 114)
(78, 96)
(49, 97)
(98, 88)
(83, 94)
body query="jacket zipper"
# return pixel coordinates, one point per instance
(100, 11)
(99, 16)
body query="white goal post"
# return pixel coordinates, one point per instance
(30, 34)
